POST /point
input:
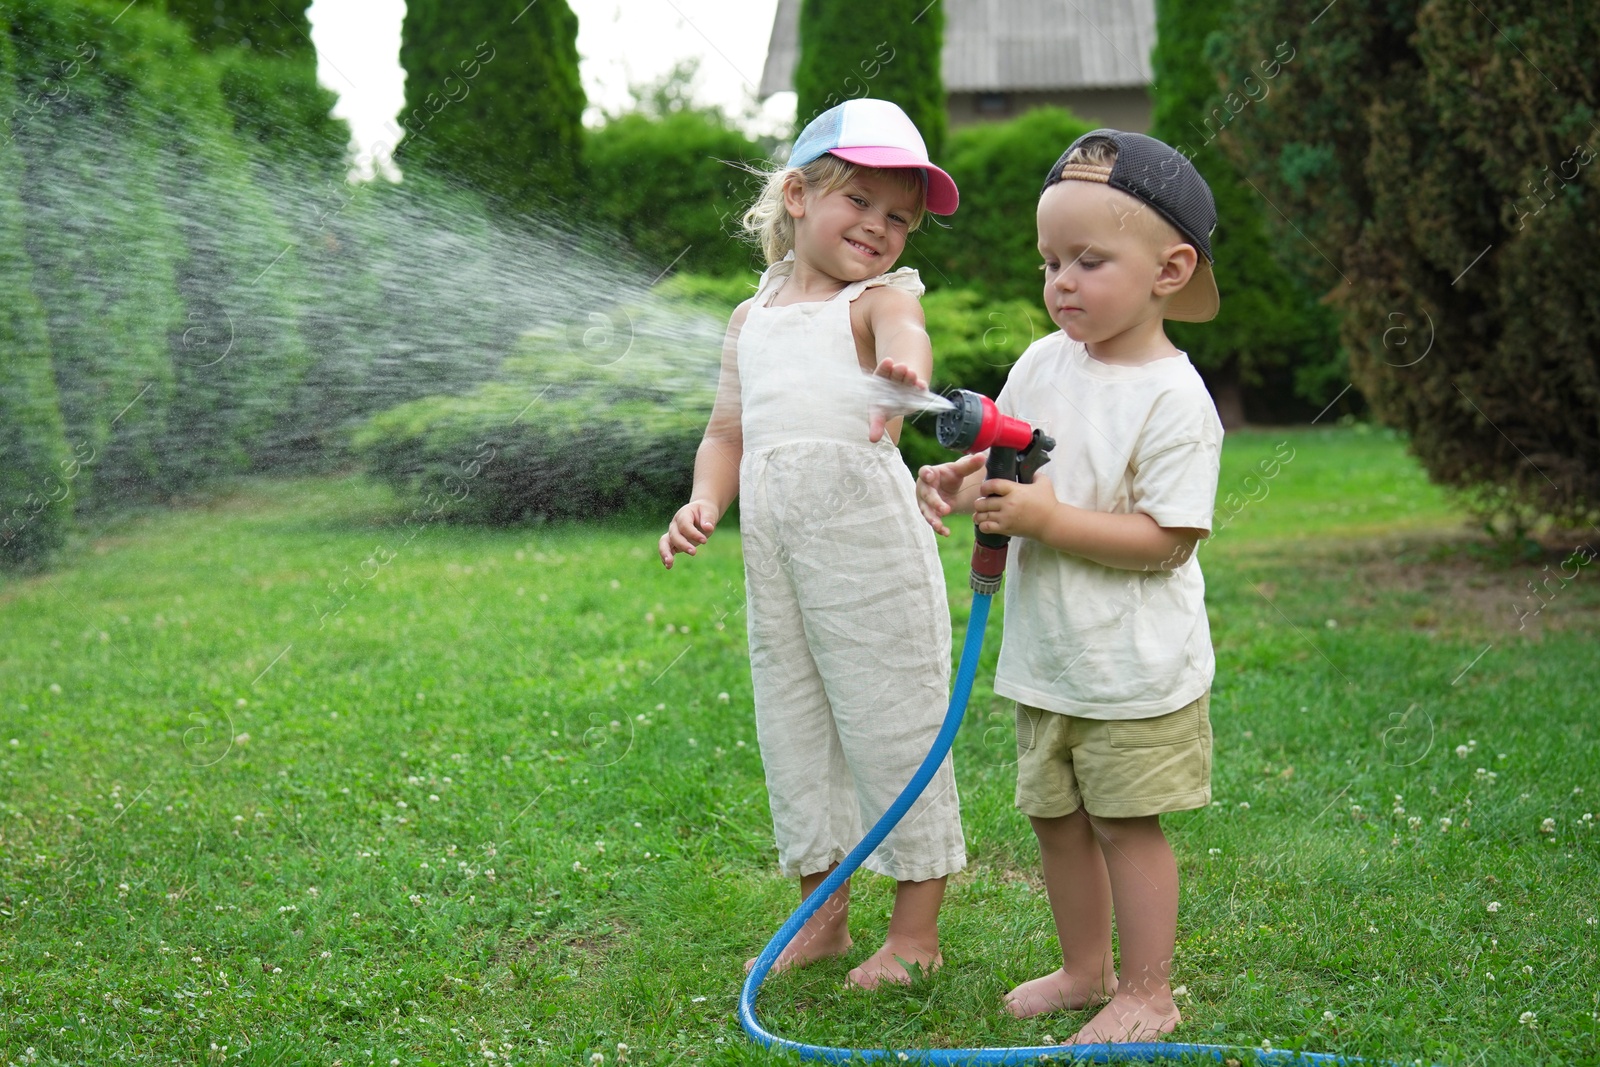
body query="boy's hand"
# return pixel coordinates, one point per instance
(691, 526)
(1015, 509)
(900, 374)
(937, 488)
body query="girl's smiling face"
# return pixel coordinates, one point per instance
(854, 232)
(1105, 257)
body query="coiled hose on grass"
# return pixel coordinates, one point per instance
(1135, 1052)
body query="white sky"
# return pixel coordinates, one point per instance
(620, 42)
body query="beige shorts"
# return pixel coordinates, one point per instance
(1115, 769)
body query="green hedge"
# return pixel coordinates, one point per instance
(696, 192)
(991, 243)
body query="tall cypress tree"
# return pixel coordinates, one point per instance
(269, 73)
(35, 500)
(493, 96)
(1440, 171)
(1270, 326)
(889, 50)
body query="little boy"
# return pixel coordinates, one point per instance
(1107, 650)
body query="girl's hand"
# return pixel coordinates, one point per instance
(937, 488)
(900, 374)
(1016, 509)
(691, 526)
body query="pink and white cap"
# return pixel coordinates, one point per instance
(875, 133)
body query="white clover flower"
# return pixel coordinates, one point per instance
(1462, 750)
(1414, 822)
(313, 891)
(1181, 991)
(416, 900)
(1494, 906)
(1244, 805)
(1548, 826)
(1445, 824)
(722, 698)
(1528, 1018)
(1327, 1016)
(1214, 852)
(433, 798)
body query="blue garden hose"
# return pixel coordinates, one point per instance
(1143, 1051)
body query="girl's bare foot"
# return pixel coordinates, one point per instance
(888, 964)
(1057, 991)
(1129, 1018)
(834, 941)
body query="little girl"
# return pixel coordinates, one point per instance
(848, 623)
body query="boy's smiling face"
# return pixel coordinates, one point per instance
(856, 231)
(1108, 262)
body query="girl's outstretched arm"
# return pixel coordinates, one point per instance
(893, 317)
(716, 464)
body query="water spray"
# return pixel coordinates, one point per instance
(1016, 452)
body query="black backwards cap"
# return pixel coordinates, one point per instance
(1156, 174)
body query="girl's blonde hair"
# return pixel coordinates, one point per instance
(768, 221)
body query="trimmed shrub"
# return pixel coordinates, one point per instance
(889, 50)
(975, 342)
(672, 187)
(1441, 171)
(560, 438)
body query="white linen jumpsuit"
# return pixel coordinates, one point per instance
(849, 627)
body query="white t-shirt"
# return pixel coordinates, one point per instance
(1085, 639)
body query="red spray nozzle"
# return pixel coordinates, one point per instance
(975, 424)
(1016, 452)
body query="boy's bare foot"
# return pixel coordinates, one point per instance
(1127, 1018)
(888, 964)
(803, 949)
(1056, 991)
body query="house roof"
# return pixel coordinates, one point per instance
(1013, 45)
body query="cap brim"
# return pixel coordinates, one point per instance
(1198, 301)
(943, 197)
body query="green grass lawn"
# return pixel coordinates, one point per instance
(499, 794)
